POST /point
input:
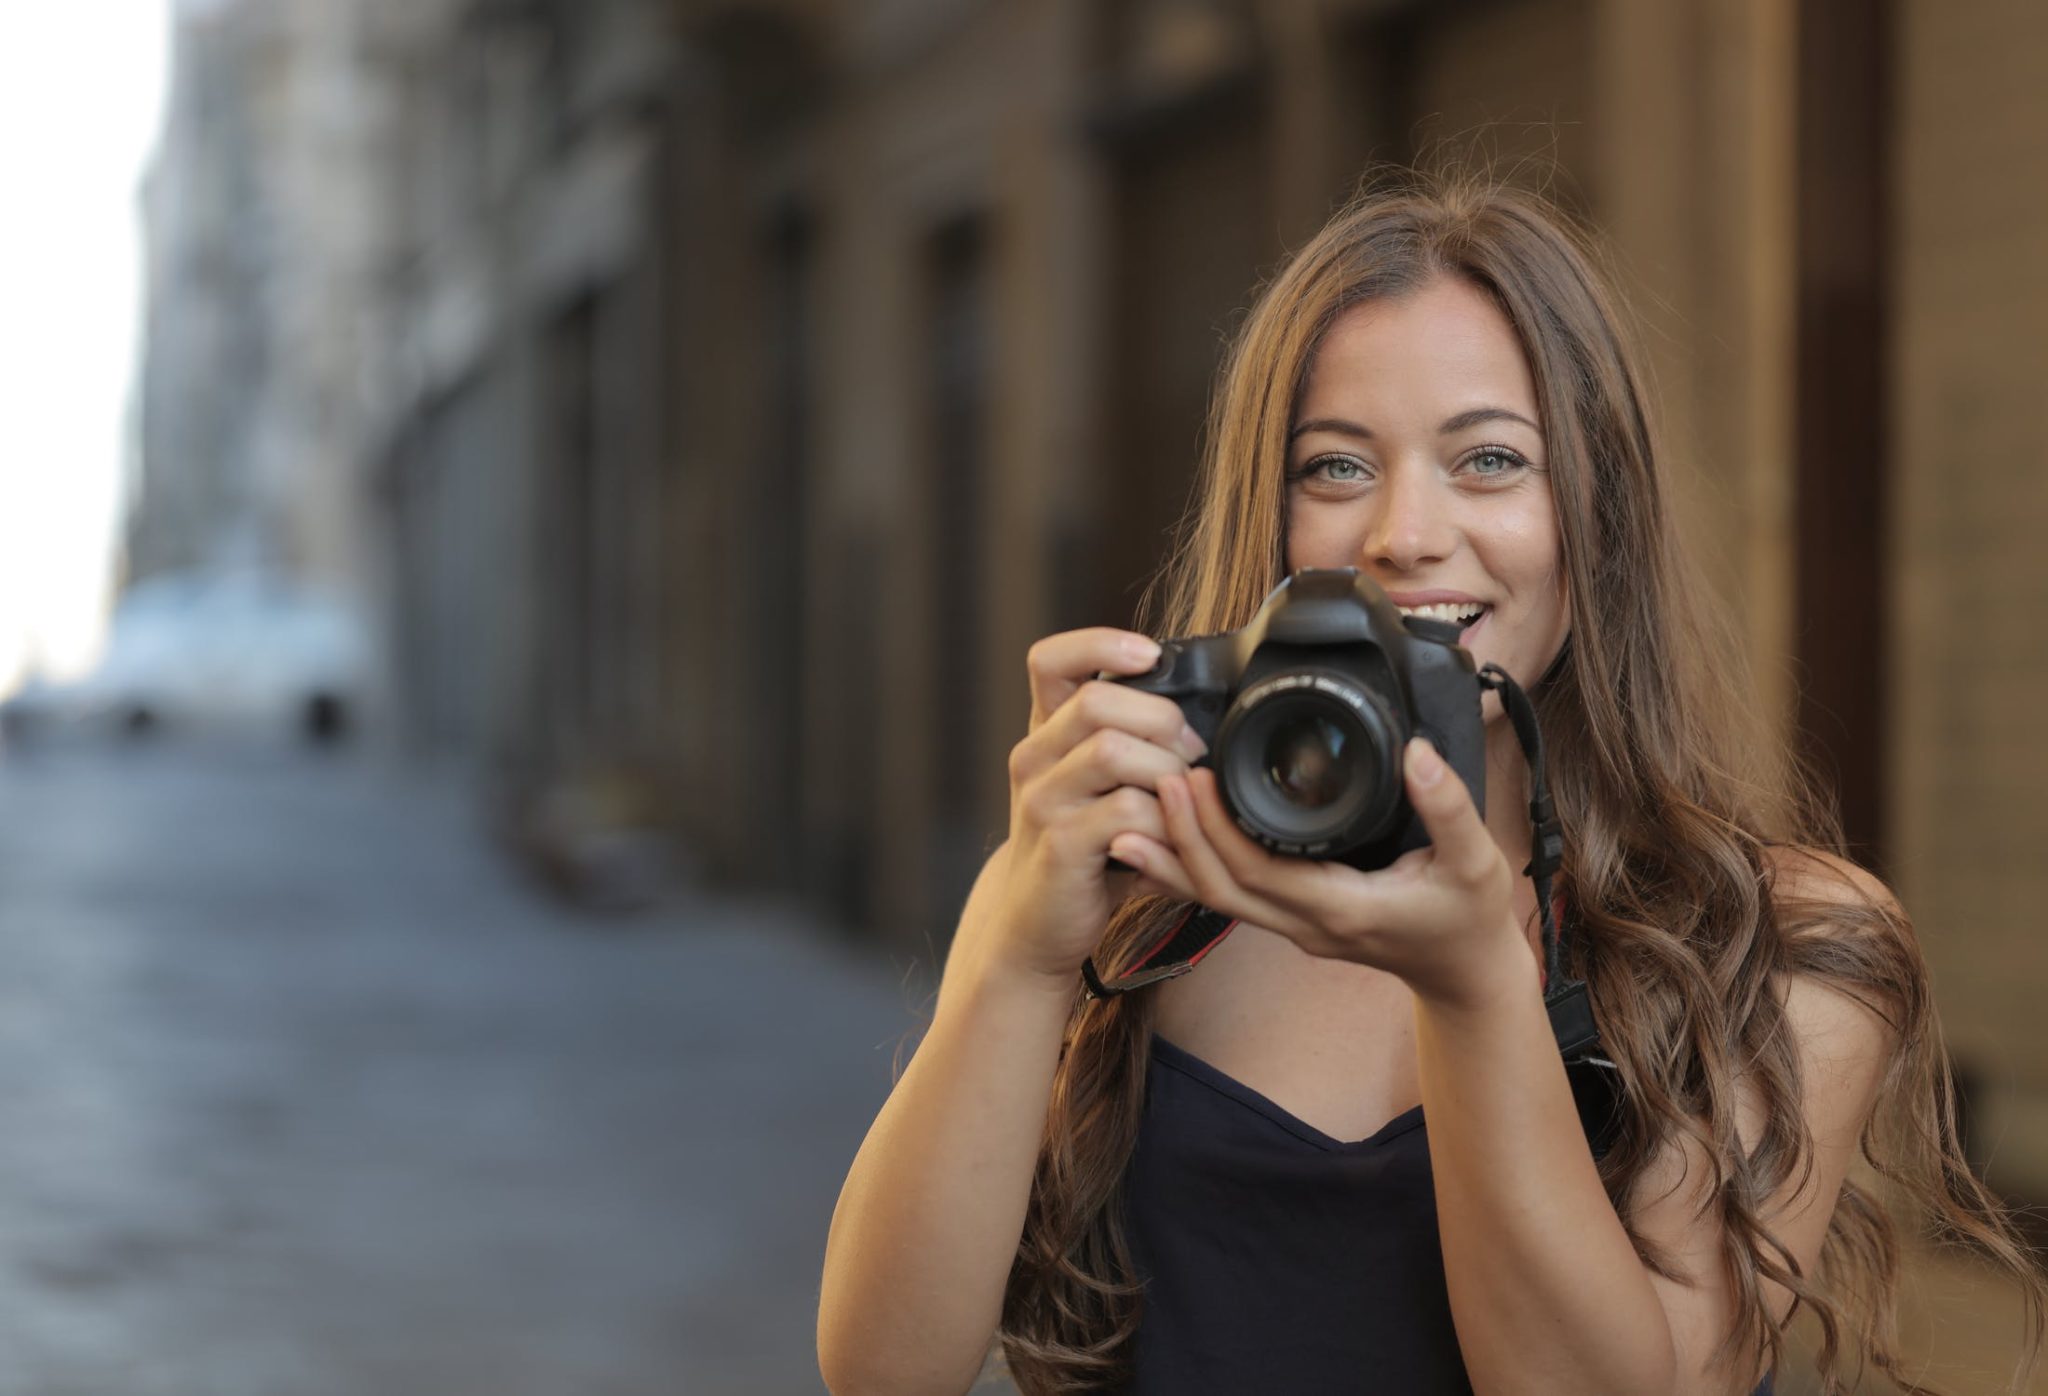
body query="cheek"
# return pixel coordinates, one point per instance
(1525, 548)
(1322, 537)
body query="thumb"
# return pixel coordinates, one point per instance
(1463, 847)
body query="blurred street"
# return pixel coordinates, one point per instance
(642, 433)
(302, 1093)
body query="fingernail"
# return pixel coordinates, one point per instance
(1127, 853)
(1142, 651)
(1191, 744)
(1423, 761)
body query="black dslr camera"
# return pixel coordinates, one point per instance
(1307, 710)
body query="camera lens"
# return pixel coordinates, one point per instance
(1308, 762)
(1311, 761)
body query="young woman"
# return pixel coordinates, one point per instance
(1344, 1154)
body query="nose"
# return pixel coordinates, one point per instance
(1412, 525)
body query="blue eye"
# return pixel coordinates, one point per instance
(1505, 462)
(1329, 466)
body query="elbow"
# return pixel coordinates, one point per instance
(844, 1378)
(847, 1369)
(846, 1372)
(856, 1365)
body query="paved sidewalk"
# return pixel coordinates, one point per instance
(303, 1094)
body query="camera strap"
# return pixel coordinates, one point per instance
(1177, 952)
(1564, 998)
(1571, 1011)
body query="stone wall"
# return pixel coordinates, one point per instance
(1969, 747)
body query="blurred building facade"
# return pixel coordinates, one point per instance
(264, 240)
(974, 265)
(521, 490)
(731, 390)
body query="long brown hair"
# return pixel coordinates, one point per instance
(1679, 799)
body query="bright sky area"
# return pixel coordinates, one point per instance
(80, 100)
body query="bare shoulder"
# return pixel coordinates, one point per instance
(1813, 874)
(1844, 1044)
(1845, 1038)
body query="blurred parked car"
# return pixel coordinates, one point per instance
(242, 651)
(34, 709)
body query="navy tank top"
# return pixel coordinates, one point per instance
(1278, 1258)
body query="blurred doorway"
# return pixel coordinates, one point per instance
(957, 375)
(1191, 233)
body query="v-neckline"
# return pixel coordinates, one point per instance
(1188, 1064)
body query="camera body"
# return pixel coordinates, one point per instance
(1307, 710)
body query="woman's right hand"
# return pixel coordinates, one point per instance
(1086, 772)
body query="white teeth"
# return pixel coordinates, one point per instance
(1456, 612)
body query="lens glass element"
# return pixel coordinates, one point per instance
(1305, 761)
(1310, 761)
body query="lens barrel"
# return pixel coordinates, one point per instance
(1308, 762)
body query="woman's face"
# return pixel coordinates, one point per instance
(1417, 456)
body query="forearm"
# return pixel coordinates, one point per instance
(1546, 1290)
(928, 1222)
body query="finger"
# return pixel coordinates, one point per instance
(1098, 705)
(1155, 862)
(1146, 887)
(1464, 851)
(1250, 865)
(1209, 878)
(1059, 664)
(1108, 760)
(1325, 906)
(1126, 811)
(1078, 837)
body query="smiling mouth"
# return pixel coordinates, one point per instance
(1466, 615)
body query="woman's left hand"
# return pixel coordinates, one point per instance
(1441, 917)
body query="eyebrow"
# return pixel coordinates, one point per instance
(1451, 425)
